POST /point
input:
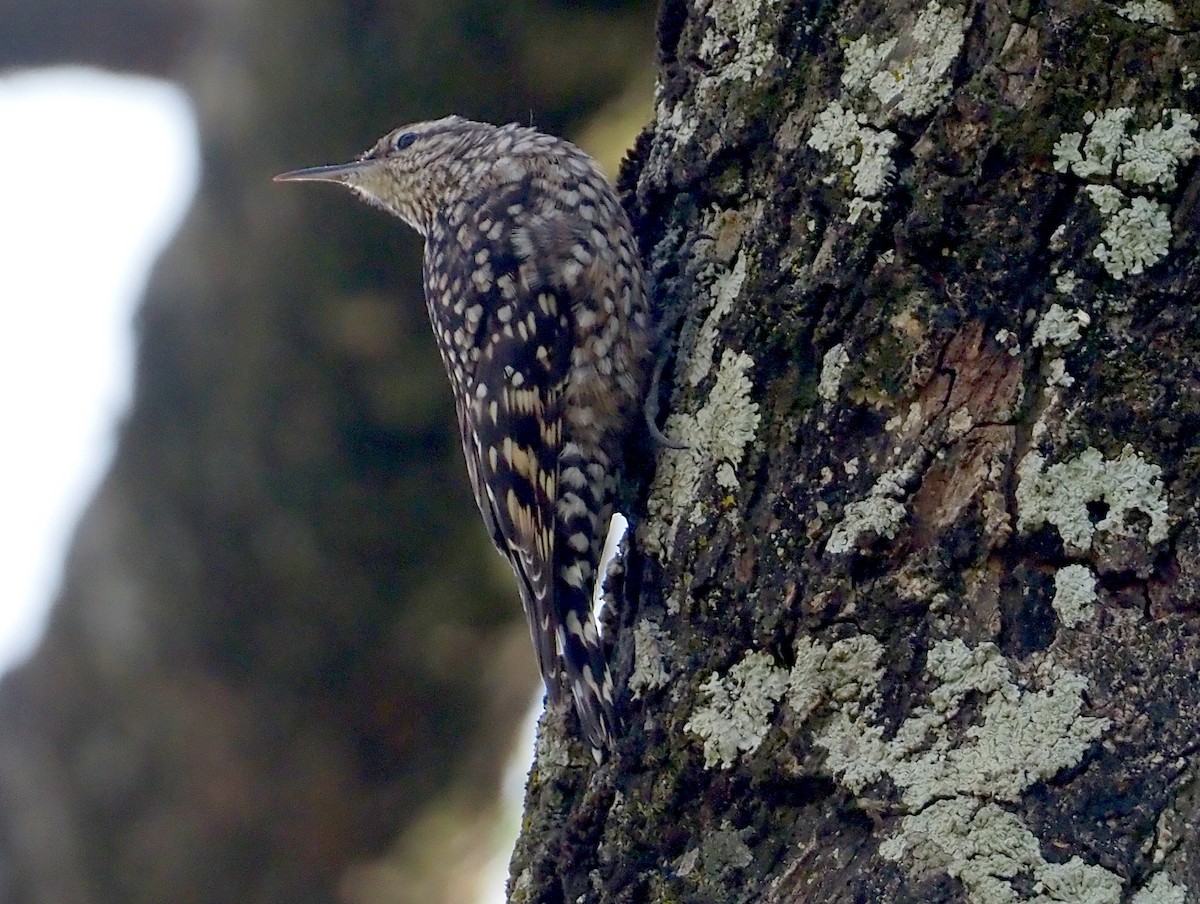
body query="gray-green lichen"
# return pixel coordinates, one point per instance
(739, 46)
(902, 75)
(1161, 890)
(1023, 736)
(737, 708)
(912, 82)
(718, 854)
(1137, 228)
(848, 137)
(832, 365)
(716, 437)
(846, 672)
(725, 290)
(1152, 12)
(1060, 495)
(987, 848)
(880, 513)
(1074, 594)
(952, 779)
(1060, 326)
(650, 653)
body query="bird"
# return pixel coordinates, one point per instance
(537, 296)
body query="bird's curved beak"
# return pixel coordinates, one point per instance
(344, 173)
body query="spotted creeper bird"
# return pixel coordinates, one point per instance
(537, 297)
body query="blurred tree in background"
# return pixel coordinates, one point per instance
(284, 666)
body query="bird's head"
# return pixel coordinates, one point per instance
(418, 169)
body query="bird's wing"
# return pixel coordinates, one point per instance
(535, 486)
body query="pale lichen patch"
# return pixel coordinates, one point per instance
(716, 437)
(1066, 283)
(739, 25)
(718, 854)
(959, 424)
(951, 778)
(1152, 12)
(1134, 238)
(846, 135)
(1058, 375)
(1137, 228)
(650, 653)
(906, 75)
(1161, 890)
(1022, 737)
(1060, 495)
(832, 366)
(915, 82)
(1060, 326)
(1099, 155)
(737, 709)
(1074, 594)
(673, 129)
(881, 512)
(725, 290)
(987, 848)
(864, 58)
(1153, 156)
(846, 672)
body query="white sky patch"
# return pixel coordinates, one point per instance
(76, 252)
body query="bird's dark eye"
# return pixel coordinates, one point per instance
(403, 141)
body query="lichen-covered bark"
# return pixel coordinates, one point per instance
(913, 616)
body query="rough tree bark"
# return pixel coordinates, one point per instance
(916, 614)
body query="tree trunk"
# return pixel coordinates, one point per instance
(915, 615)
(284, 667)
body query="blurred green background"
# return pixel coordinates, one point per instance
(284, 664)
